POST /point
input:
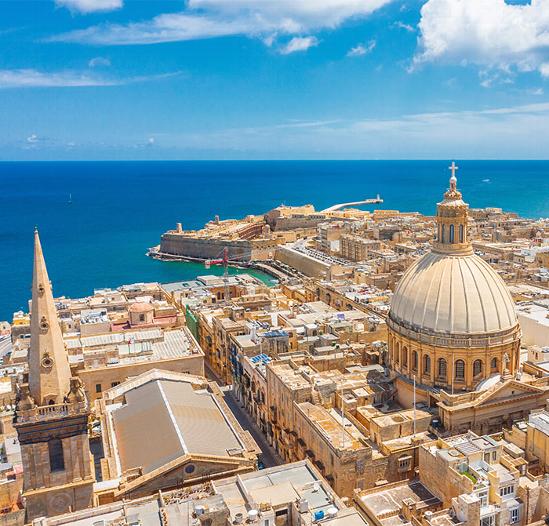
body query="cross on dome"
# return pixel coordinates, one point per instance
(453, 179)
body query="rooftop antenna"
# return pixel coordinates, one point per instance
(414, 405)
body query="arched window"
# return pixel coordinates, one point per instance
(477, 367)
(461, 236)
(55, 450)
(451, 233)
(426, 364)
(405, 357)
(494, 363)
(414, 360)
(442, 368)
(460, 370)
(397, 358)
(443, 233)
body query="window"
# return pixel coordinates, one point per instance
(515, 515)
(98, 388)
(404, 463)
(494, 363)
(114, 384)
(488, 521)
(444, 233)
(477, 367)
(397, 353)
(461, 236)
(483, 497)
(55, 450)
(426, 364)
(452, 228)
(141, 317)
(414, 360)
(506, 490)
(442, 368)
(460, 370)
(405, 357)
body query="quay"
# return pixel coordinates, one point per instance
(375, 200)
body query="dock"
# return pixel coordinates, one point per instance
(375, 200)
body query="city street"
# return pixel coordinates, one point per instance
(269, 456)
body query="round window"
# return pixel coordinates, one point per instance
(47, 362)
(190, 468)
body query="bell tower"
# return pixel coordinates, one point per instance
(52, 414)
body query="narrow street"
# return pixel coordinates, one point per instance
(269, 456)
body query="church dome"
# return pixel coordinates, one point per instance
(451, 291)
(452, 323)
(461, 295)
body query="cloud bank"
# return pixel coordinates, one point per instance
(216, 18)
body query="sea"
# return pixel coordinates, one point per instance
(97, 219)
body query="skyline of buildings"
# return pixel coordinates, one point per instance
(395, 351)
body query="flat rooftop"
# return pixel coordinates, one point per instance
(390, 500)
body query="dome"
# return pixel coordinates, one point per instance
(445, 294)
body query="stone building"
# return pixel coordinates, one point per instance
(452, 322)
(163, 430)
(289, 495)
(477, 477)
(52, 414)
(328, 417)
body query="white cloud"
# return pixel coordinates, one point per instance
(217, 18)
(32, 78)
(97, 62)
(360, 49)
(406, 27)
(490, 33)
(32, 138)
(544, 69)
(90, 6)
(299, 44)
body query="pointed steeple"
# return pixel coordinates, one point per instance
(49, 370)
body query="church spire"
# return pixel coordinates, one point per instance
(49, 370)
(452, 218)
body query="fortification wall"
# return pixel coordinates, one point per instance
(302, 262)
(203, 248)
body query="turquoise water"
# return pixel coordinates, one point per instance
(119, 209)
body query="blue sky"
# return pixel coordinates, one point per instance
(274, 79)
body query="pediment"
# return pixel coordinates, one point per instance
(510, 390)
